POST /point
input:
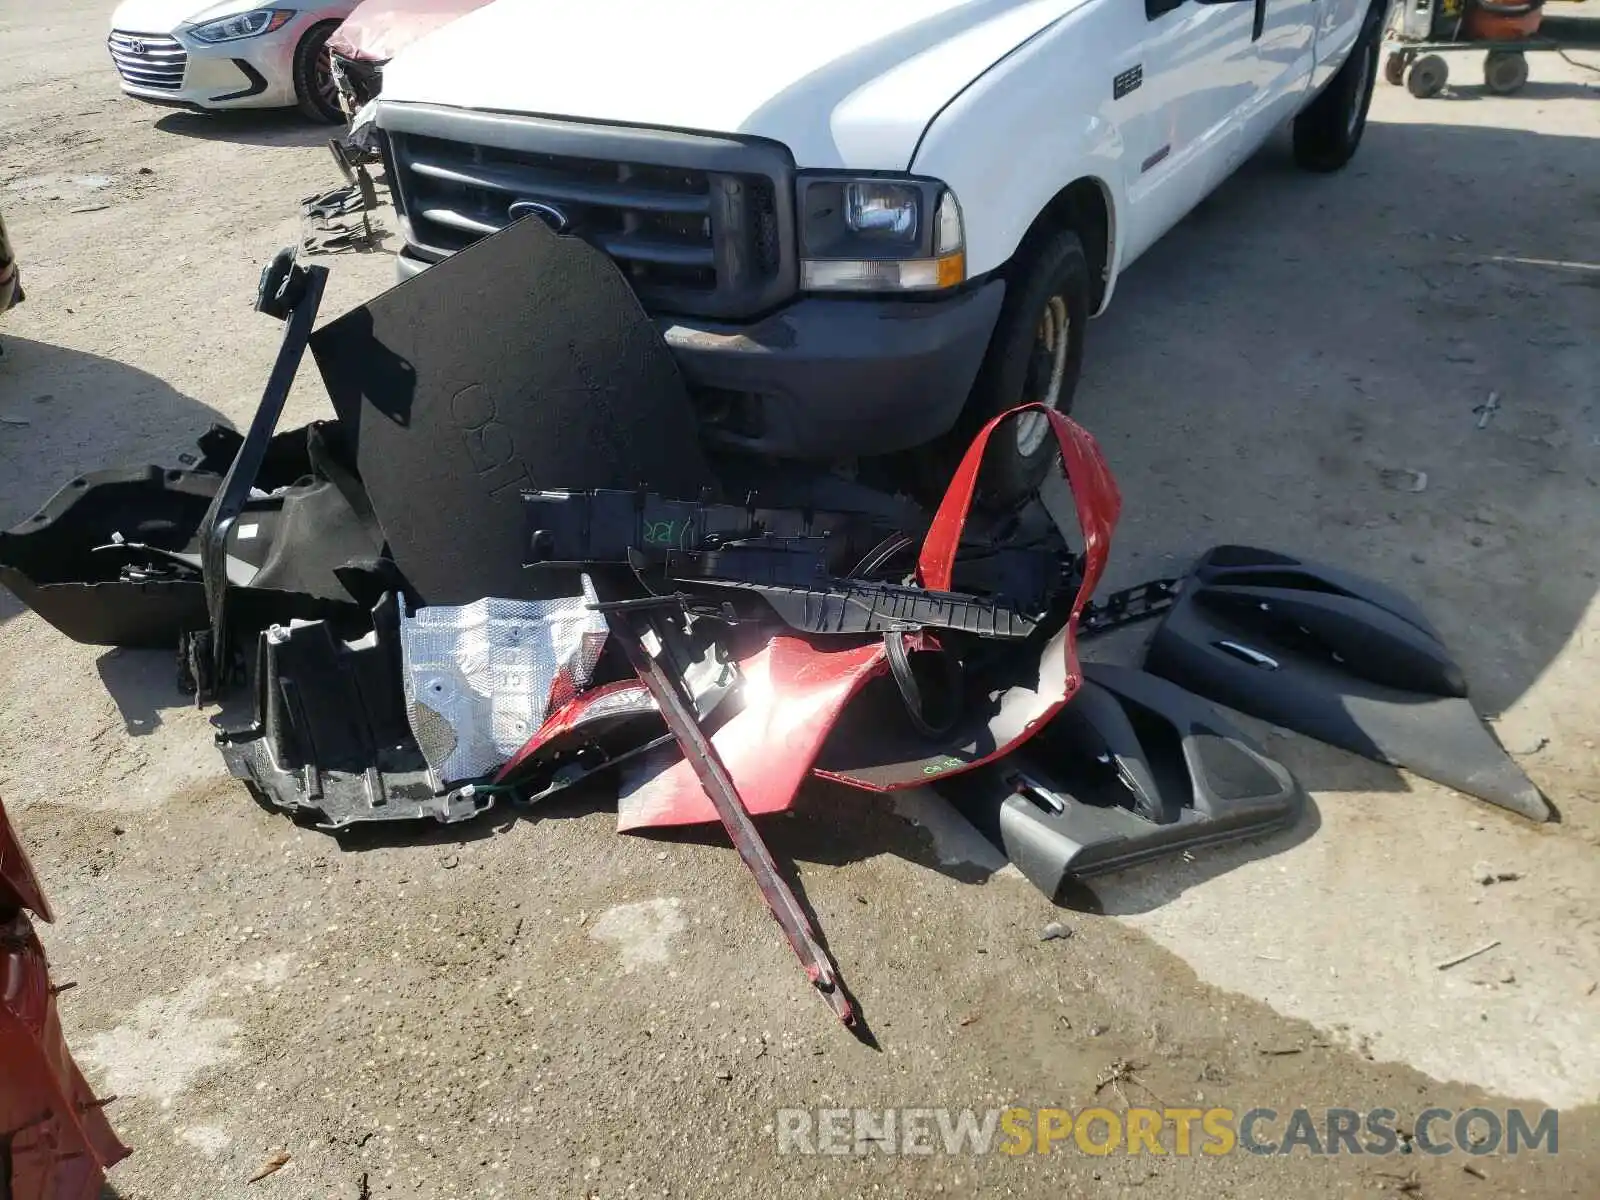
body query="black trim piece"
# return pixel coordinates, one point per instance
(1127, 82)
(1340, 658)
(164, 102)
(1155, 158)
(258, 83)
(905, 678)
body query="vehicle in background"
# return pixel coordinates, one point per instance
(861, 228)
(235, 54)
(374, 33)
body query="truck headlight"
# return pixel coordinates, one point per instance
(878, 234)
(244, 25)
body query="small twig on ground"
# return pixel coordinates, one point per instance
(1120, 1072)
(1461, 958)
(1405, 1183)
(1113, 1076)
(271, 1167)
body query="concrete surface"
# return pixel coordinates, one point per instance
(544, 1008)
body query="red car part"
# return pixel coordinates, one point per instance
(19, 886)
(379, 29)
(796, 688)
(55, 1142)
(651, 661)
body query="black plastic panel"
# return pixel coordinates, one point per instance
(1339, 658)
(1133, 769)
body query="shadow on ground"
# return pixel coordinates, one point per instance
(248, 127)
(1294, 425)
(63, 409)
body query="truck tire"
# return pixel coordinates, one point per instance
(316, 94)
(1036, 354)
(1327, 133)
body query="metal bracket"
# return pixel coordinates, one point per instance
(291, 293)
(649, 645)
(1128, 607)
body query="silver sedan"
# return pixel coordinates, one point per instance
(235, 54)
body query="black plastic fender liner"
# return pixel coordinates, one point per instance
(48, 561)
(330, 741)
(1337, 657)
(521, 362)
(289, 555)
(1133, 769)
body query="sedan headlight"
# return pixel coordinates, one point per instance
(887, 234)
(245, 25)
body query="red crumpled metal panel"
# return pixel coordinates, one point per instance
(792, 690)
(19, 886)
(55, 1142)
(795, 689)
(886, 763)
(624, 696)
(379, 29)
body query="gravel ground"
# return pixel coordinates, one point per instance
(545, 1008)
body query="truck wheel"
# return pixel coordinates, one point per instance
(1035, 355)
(1327, 133)
(1394, 67)
(314, 88)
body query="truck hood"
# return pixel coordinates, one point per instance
(840, 82)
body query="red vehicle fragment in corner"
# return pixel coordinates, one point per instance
(55, 1142)
(375, 32)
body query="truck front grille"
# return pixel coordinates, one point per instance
(694, 223)
(148, 60)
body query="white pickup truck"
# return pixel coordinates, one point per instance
(864, 226)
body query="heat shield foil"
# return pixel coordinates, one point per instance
(481, 677)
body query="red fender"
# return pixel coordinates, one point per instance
(795, 688)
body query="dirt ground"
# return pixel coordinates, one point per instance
(545, 1008)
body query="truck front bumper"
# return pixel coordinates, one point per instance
(832, 377)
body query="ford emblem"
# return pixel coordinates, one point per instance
(548, 213)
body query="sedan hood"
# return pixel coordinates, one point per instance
(379, 29)
(841, 83)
